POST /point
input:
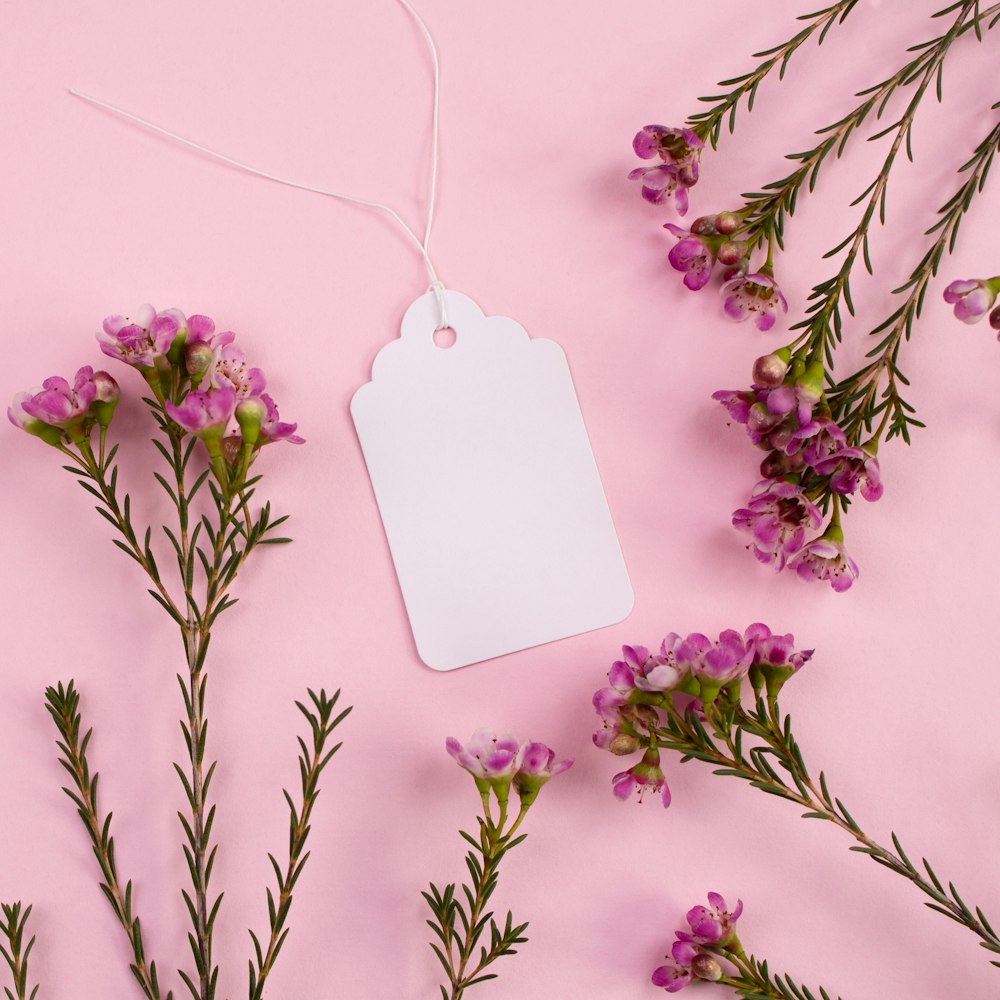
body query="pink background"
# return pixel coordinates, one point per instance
(536, 221)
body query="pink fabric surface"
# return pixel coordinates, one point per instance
(536, 221)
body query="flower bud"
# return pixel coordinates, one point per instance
(727, 222)
(778, 465)
(687, 175)
(105, 399)
(622, 745)
(995, 318)
(731, 252)
(250, 414)
(769, 371)
(197, 360)
(704, 226)
(706, 967)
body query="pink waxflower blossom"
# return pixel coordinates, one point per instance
(714, 924)
(231, 369)
(775, 650)
(645, 776)
(725, 661)
(849, 468)
(777, 517)
(825, 558)
(201, 330)
(679, 146)
(692, 256)
(204, 414)
(662, 182)
(142, 338)
(537, 767)
(672, 976)
(491, 760)
(753, 294)
(972, 298)
(272, 429)
(58, 403)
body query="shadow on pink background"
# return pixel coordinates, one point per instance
(536, 221)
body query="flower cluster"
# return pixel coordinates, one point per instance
(808, 461)
(497, 762)
(721, 239)
(60, 413)
(973, 298)
(679, 150)
(643, 683)
(712, 931)
(201, 380)
(715, 239)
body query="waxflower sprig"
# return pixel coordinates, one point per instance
(213, 418)
(496, 763)
(707, 125)
(687, 699)
(710, 951)
(821, 435)
(13, 924)
(822, 441)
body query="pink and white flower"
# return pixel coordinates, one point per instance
(645, 776)
(231, 369)
(692, 256)
(972, 298)
(825, 558)
(664, 181)
(777, 517)
(714, 924)
(205, 414)
(756, 295)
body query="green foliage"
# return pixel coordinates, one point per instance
(459, 920)
(708, 124)
(775, 765)
(313, 758)
(63, 704)
(15, 953)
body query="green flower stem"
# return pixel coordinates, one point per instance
(822, 326)
(15, 952)
(312, 761)
(62, 703)
(766, 210)
(720, 743)
(458, 944)
(707, 125)
(856, 401)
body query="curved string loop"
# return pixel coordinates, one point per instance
(422, 245)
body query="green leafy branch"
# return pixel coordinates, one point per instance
(15, 953)
(758, 983)
(229, 539)
(62, 703)
(458, 940)
(708, 124)
(822, 326)
(775, 765)
(855, 401)
(764, 212)
(312, 760)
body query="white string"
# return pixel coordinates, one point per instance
(436, 286)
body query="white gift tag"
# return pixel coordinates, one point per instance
(490, 497)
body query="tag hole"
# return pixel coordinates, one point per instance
(445, 337)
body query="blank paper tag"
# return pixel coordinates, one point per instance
(490, 497)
